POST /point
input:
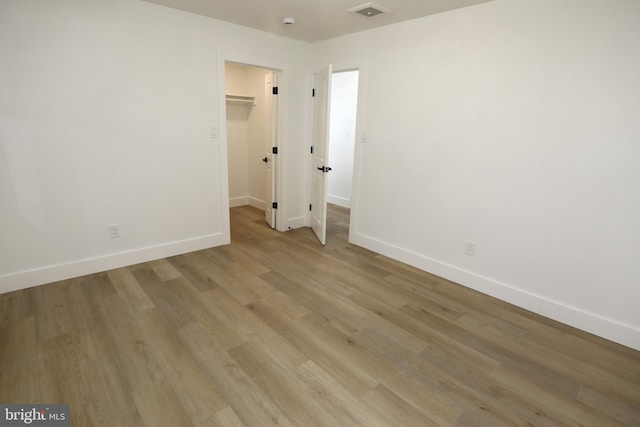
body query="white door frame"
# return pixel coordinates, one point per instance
(279, 166)
(270, 213)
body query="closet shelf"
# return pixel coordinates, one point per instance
(241, 99)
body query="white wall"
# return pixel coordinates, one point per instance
(513, 124)
(106, 108)
(342, 135)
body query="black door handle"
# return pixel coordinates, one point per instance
(324, 168)
(265, 160)
(321, 168)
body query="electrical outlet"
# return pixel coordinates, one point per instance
(469, 247)
(114, 231)
(214, 132)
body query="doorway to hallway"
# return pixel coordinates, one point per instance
(333, 151)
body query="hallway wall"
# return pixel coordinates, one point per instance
(342, 135)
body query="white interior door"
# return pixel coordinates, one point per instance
(272, 108)
(319, 167)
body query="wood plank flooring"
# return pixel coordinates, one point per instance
(276, 330)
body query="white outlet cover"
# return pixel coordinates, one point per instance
(114, 231)
(469, 247)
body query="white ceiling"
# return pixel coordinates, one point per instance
(315, 19)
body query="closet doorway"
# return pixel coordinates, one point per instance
(252, 107)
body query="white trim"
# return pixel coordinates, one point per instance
(574, 316)
(297, 222)
(360, 144)
(53, 273)
(340, 201)
(221, 122)
(234, 202)
(257, 203)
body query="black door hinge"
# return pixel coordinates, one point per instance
(309, 206)
(312, 149)
(274, 150)
(274, 205)
(313, 92)
(274, 90)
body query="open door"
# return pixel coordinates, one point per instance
(319, 167)
(269, 211)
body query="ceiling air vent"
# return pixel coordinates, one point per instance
(369, 9)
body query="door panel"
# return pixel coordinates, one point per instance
(319, 167)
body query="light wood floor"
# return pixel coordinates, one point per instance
(276, 330)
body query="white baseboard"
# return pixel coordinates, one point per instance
(297, 222)
(53, 273)
(340, 201)
(590, 322)
(257, 203)
(234, 202)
